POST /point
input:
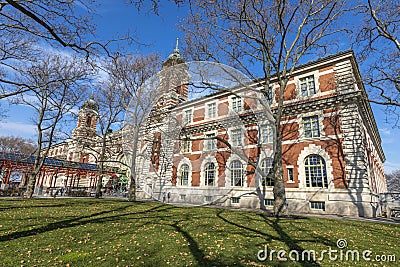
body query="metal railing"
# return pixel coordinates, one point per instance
(390, 204)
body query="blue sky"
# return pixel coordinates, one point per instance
(158, 34)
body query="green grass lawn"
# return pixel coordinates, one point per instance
(90, 232)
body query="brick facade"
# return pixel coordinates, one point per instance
(346, 149)
(332, 155)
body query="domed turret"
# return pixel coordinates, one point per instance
(87, 119)
(174, 58)
(90, 104)
(174, 81)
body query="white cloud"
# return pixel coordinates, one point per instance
(384, 131)
(387, 140)
(17, 129)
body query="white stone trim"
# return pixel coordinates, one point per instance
(230, 105)
(321, 126)
(292, 168)
(206, 104)
(317, 150)
(230, 139)
(321, 138)
(297, 78)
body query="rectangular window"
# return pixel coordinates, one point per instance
(183, 197)
(235, 200)
(210, 174)
(311, 126)
(266, 170)
(185, 146)
(307, 86)
(236, 136)
(317, 205)
(270, 95)
(268, 202)
(208, 198)
(211, 110)
(267, 134)
(236, 104)
(211, 142)
(290, 174)
(187, 119)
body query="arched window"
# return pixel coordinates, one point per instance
(209, 174)
(184, 173)
(315, 170)
(89, 121)
(236, 173)
(266, 168)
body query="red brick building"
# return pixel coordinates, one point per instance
(332, 154)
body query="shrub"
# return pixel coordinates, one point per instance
(11, 192)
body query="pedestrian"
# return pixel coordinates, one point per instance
(169, 196)
(55, 194)
(163, 197)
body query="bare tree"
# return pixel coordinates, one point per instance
(18, 145)
(154, 4)
(51, 102)
(393, 181)
(136, 75)
(112, 100)
(267, 38)
(378, 38)
(26, 26)
(125, 75)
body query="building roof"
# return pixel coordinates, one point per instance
(90, 104)
(48, 161)
(175, 54)
(300, 68)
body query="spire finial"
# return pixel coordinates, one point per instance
(177, 44)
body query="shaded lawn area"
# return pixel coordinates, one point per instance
(91, 232)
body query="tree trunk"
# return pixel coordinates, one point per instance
(133, 176)
(280, 205)
(101, 165)
(99, 184)
(31, 185)
(37, 165)
(132, 189)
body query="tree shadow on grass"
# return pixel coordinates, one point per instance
(198, 254)
(275, 224)
(20, 203)
(33, 206)
(82, 220)
(292, 243)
